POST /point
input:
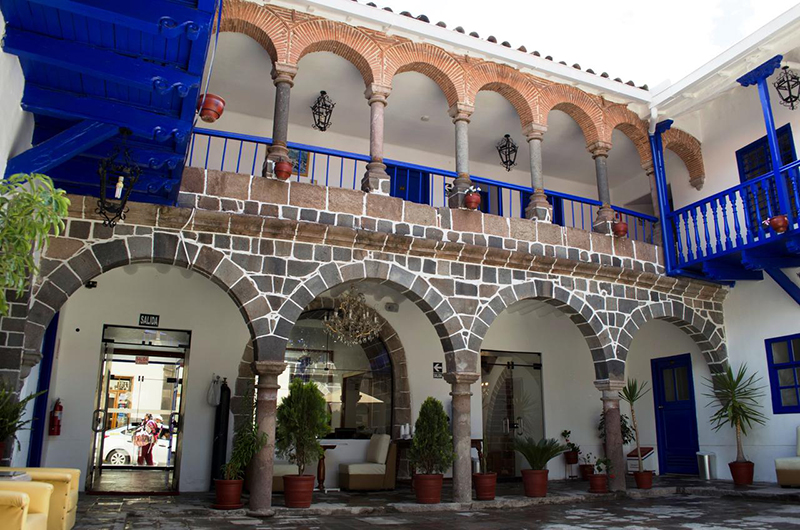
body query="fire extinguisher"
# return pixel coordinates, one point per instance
(55, 418)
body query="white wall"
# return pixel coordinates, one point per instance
(15, 134)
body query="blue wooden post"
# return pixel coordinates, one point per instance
(667, 233)
(758, 76)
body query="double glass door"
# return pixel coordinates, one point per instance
(511, 386)
(141, 379)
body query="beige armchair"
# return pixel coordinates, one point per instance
(788, 469)
(24, 505)
(379, 470)
(64, 501)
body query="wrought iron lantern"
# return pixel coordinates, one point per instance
(788, 87)
(120, 167)
(322, 110)
(507, 149)
(353, 321)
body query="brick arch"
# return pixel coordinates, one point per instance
(687, 147)
(259, 23)
(707, 334)
(578, 105)
(340, 39)
(430, 61)
(509, 83)
(91, 261)
(598, 338)
(620, 117)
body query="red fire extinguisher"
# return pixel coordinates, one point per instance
(55, 418)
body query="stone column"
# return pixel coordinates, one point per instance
(461, 112)
(462, 434)
(283, 78)
(651, 179)
(610, 390)
(376, 180)
(264, 461)
(538, 206)
(605, 215)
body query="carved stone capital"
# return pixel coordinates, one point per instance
(599, 149)
(376, 93)
(461, 112)
(610, 389)
(534, 131)
(466, 378)
(283, 73)
(267, 369)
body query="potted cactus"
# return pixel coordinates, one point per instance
(538, 454)
(431, 451)
(631, 394)
(598, 482)
(573, 450)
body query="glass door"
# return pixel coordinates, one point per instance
(511, 385)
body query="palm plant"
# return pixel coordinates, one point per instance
(248, 440)
(631, 393)
(538, 454)
(737, 403)
(11, 412)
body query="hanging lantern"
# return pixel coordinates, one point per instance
(120, 169)
(788, 87)
(322, 110)
(507, 149)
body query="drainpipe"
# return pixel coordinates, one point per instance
(655, 130)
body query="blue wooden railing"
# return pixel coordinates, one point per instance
(733, 220)
(242, 153)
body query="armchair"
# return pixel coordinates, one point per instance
(788, 469)
(24, 505)
(64, 500)
(379, 470)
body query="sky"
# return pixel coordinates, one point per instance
(641, 40)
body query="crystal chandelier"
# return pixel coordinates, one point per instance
(353, 322)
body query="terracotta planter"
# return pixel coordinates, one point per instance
(779, 223)
(211, 108)
(598, 483)
(428, 489)
(620, 229)
(742, 473)
(283, 169)
(485, 485)
(571, 457)
(586, 471)
(644, 479)
(298, 490)
(472, 201)
(535, 482)
(229, 494)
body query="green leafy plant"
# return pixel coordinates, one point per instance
(565, 434)
(588, 459)
(604, 465)
(632, 393)
(432, 447)
(538, 454)
(302, 419)
(625, 427)
(737, 399)
(248, 440)
(11, 412)
(30, 209)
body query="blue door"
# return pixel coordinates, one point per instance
(676, 419)
(409, 184)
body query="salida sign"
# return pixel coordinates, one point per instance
(148, 320)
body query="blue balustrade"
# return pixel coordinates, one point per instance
(234, 152)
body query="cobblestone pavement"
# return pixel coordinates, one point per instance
(675, 512)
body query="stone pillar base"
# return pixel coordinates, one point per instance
(458, 191)
(376, 180)
(539, 208)
(275, 153)
(605, 218)
(262, 464)
(462, 434)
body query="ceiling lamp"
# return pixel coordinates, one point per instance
(508, 152)
(322, 110)
(788, 87)
(120, 167)
(353, 322)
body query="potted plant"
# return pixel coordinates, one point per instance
(778, 223)
(737, 399)
(472, 199)
(485, 482)
(587, 466)
(625, 427)
(631, 393)
(538, 454)
(573, 450)
(431, 451)
(598, 482)
(302, 419)
(247, 442)
(11, 413)
(619, 227)
(210, 107)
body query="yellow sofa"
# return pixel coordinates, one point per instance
(788, 469)
(64, 501)
(24, 505)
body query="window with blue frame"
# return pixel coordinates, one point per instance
(783, 360)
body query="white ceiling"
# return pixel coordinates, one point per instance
(242, 76)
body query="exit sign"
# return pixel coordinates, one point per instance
(148, 320)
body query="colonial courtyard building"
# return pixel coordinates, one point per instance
(524, 316)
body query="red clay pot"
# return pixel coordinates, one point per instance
(644, 479)
(571, 457)
(779, 223)
(283, 169)
(485, 485)
(211, 108)
(620, 229)
(535, 482)
(586, 471)
(472, 201)
(742, 473)
(598, 483)
(428, 489)
(229, 494)
(298, 490)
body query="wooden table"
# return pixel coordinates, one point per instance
(321, 467)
